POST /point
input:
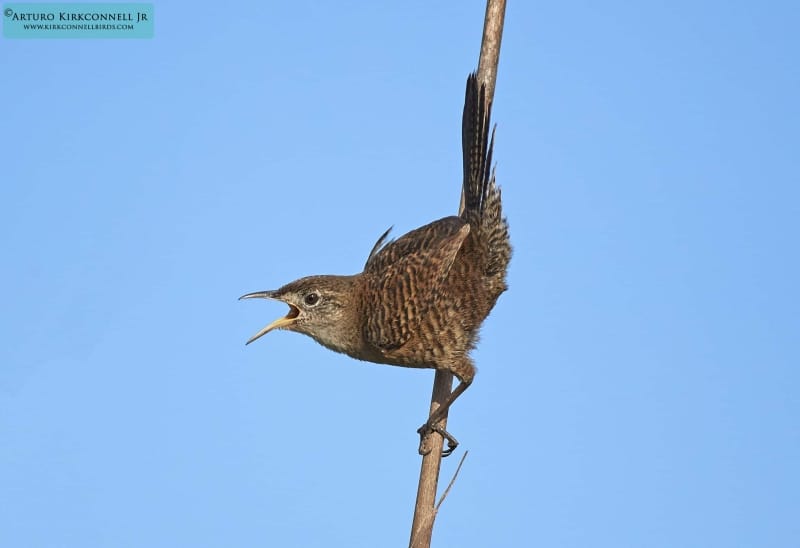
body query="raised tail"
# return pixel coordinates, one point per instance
(476, 148)
(481, 203)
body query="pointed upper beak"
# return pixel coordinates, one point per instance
(260, 295)
(280, 322)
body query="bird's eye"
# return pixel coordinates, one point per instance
(311, 299)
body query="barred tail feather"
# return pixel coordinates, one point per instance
(477, 149)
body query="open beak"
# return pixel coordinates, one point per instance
(287, 320)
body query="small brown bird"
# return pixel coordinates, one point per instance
(421, 299)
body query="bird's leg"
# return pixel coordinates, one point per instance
(433, 422)
(441, 412)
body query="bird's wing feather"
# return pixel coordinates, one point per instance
(378, 245)
(403, 279)
(422, 240)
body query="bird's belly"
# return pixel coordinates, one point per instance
(416, 352)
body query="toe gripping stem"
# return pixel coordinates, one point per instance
(424, 439)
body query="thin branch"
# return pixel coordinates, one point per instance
(490, 45)
(452, 481)
(424, 510)
(429, 518)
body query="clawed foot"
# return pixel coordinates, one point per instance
(424, 432)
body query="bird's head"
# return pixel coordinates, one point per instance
(319, 306)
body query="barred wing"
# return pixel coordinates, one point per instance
(403, 279)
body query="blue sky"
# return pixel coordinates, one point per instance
(638, 385)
